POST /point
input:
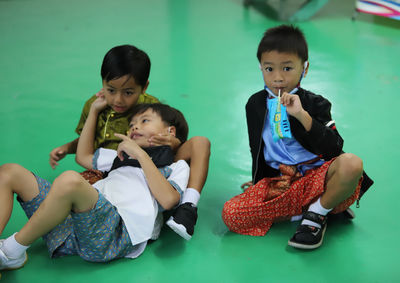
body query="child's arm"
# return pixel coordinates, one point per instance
(60, 152)
(161, 189)
(85, 148)
(319, 138)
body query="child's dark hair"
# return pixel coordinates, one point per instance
(168, 114)
(126, 60)
(284, 38)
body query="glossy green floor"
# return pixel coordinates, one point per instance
(204, 63)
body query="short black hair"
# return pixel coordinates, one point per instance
(126, 60)
(284, 38)
(169, 115)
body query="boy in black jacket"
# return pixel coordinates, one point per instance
(304, 171)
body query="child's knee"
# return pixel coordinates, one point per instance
(9, 171)
(351, 166)
(67, 183)
(201, 143)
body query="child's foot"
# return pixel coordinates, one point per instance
(7, 263)
(183, 220)
(307, 236)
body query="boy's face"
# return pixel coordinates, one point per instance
(145, 125)
(122, 94)
(281, 70)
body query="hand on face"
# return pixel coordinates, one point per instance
(128, 146)
(162, 139)
(100, 93)
(99, 104)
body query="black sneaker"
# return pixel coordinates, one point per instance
(309, 237)
(349, 214)
(183, 220)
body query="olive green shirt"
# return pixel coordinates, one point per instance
(110, 122)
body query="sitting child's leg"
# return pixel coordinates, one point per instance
(69, 192)
(342, 179)
(197, 152)
(14, 179)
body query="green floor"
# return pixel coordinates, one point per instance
(204, 63)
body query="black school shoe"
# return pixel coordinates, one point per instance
(309, 237)
(349, 214)
(183, 220)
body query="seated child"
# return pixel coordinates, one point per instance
(116, 216)
(124, 72)
(300, 168)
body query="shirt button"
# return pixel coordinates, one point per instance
(107, 135)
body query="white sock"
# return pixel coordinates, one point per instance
(317, 208)
(296, 218)
(12, 248)
(191, 195)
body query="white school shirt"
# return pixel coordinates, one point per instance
(126, 188)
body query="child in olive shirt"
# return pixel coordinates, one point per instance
(125, 71)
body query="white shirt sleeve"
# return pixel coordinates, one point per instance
(103, 159)
(179, 175)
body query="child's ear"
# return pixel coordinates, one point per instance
(172, 130)
(145, 87)
(306, 65)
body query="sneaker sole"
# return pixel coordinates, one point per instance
(16, 267)
(308, 247)
(179, 229)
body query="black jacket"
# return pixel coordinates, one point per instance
(323, 139)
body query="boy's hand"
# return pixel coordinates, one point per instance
(292, 103)
(165, 139)
(56, 155)
(99, 104)
(294, 108)
(100, 93)
(128, 146)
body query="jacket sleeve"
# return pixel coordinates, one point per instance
(323, 139)
(254, 134)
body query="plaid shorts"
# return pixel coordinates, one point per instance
(98, 235)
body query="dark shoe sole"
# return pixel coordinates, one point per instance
(349, 213)
(305, 246)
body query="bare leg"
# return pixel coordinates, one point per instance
(14, 179)
(342, 179)
(69, 192)
(196, 152)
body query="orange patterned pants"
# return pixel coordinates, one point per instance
(279, 198)
(92, 176)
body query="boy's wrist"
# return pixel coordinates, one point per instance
(94, 111)
(141, 155)
(305, 119)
